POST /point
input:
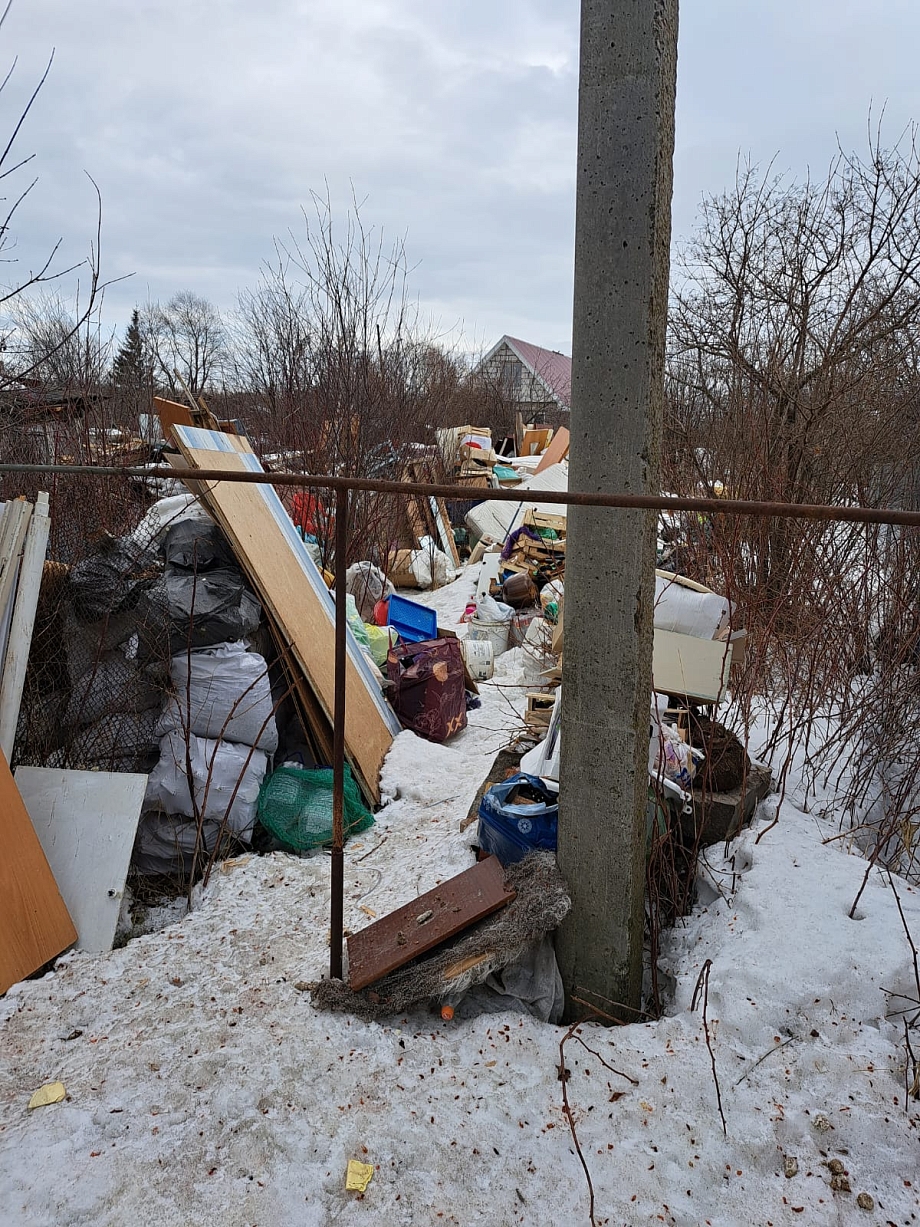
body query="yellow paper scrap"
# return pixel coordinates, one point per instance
(51, 1092)
(358, 1176)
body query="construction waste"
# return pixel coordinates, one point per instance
(192, 679)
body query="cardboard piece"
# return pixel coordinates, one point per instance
(35, 925)
(86, 822)
(690, 667)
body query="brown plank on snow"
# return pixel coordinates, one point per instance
(412, 930)
(34, 922)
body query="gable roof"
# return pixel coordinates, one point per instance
(552, 369)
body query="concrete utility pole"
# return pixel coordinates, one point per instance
(622, 240)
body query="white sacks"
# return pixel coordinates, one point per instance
(222, 693)
(223, 772)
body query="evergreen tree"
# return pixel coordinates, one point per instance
(129, 369)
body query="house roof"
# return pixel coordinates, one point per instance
(552, 369)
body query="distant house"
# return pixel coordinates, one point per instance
(536, 381)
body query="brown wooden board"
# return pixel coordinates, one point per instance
(434, 917)
(35, 925)
(558, 450)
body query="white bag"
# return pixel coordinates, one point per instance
(222, 693)
(218, 769)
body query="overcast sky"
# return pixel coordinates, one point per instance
(207, 123)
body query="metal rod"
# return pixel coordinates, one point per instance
(337, 907)
(565, 498)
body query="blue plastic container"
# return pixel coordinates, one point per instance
(413, 622)
(511, 831)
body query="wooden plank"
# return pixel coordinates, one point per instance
(174, 413)
(278, 565)
(34, 922)
(445, 532)
(86, 822)
(23, 623)
(428, 921)
(558, 450)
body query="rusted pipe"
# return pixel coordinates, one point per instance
(337, 883)
(565, 498)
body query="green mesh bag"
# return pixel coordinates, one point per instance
(296, 807)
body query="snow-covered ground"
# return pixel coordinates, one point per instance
(203, 1088)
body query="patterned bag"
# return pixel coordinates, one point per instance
(428, 692)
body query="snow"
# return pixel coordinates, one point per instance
(203, 1088)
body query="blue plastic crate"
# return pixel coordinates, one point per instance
(413, 622)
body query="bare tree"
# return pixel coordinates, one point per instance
(186, 335)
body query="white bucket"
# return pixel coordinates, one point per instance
(495, 633)
(479, 657)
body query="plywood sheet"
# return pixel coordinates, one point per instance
(35, 925)
(450, 908)
(86, 822)
(287, 580)
(558, 450)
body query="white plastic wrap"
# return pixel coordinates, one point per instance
(430, 566)
(687, 612)
(222, 693)
(217, 769)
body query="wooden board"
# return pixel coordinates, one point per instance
(412, 930)
(34, 922)
(289, 584)
(535, 440)
(174, 413)
(558, 450)
(86, 822)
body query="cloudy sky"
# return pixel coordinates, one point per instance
(207, 124)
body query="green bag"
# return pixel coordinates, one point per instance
(296, 807)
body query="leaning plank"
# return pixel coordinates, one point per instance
(558, 450)
(34, 922)
(396, 939)
(86, 822)
(288, 582)
(23, 623)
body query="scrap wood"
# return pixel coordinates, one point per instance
(426, 922)
(35, 925)
(558, 450)
(540, 905)
(291, 588)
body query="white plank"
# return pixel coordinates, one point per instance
(86, 822)
(23, 623)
